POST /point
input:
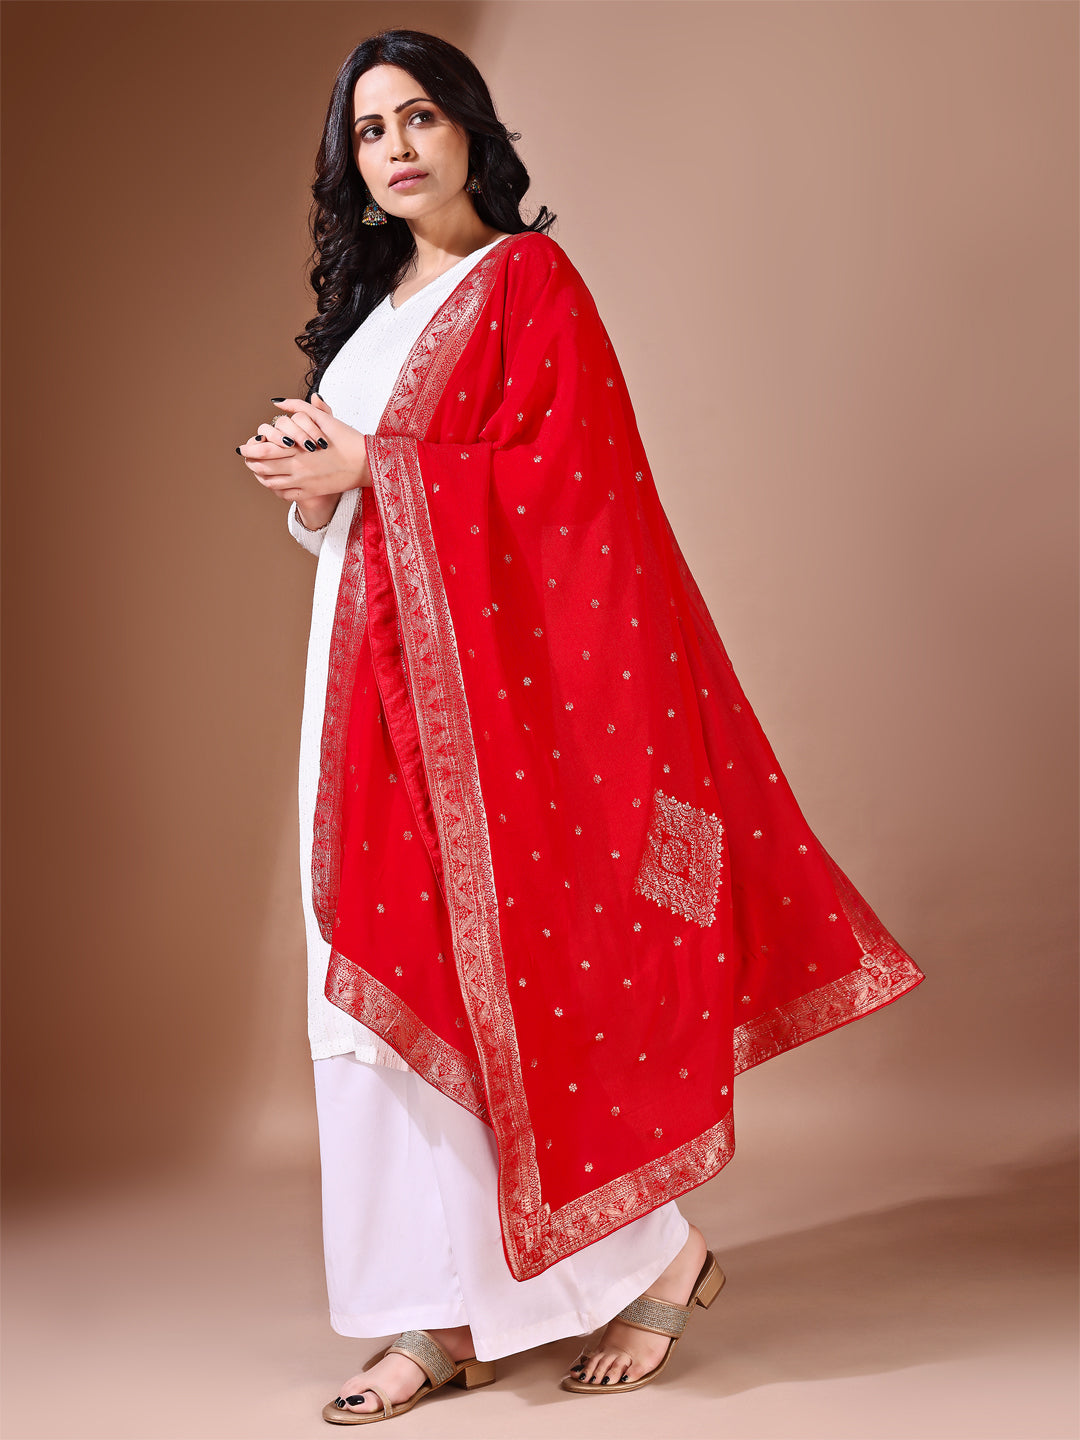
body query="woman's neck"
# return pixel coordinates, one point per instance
(439, 246)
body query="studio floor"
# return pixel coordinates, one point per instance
(194, 1309)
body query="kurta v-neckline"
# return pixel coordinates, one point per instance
(471, 256)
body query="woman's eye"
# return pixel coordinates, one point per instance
(417, 114)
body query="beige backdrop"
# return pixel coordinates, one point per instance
(835, 248)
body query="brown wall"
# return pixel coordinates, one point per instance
(835, 248)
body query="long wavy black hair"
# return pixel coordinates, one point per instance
(354, 266)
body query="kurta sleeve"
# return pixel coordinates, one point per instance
(310, 540)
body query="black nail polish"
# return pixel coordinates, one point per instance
(340, 1403)
(310, 445)
(287, 440)
(623, 1377)
(354, 1399)
(276, 399)
(322, 442)
(605, 1380)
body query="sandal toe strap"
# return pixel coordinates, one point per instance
(387, 1408)
(659, 1316)
(428, 1354)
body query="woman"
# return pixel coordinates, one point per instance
(558, 891)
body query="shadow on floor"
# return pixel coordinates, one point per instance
(936, 1279)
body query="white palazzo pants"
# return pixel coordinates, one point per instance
(411, 1224)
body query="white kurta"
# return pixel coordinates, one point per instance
(410, 1179)
(356, 385)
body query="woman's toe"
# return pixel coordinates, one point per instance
(605, 1370)
(620, 1365)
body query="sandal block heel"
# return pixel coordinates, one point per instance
(711, 1286)
(475, 1374)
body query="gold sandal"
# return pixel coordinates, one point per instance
(439, 1367)
(662, 1318)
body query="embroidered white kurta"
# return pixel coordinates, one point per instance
(356, 385)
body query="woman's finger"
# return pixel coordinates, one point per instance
(300, 411)
(280, 482)
(301, 429)
(272, 480)
(269, 461)
(256, 448)
(268, 431)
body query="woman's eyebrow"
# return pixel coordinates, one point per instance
(397, 109)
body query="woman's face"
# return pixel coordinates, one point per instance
(397, 129)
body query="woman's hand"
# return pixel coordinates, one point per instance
(308, 456)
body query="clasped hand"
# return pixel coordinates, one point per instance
(307, 455)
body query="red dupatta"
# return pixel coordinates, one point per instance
(557, 862)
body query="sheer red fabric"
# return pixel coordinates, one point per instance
(558, 864)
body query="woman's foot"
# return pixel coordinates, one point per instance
(397, 1376)
(626, 1353)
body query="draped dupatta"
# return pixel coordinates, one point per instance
(604, 901)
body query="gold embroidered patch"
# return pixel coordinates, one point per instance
(680, 868)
